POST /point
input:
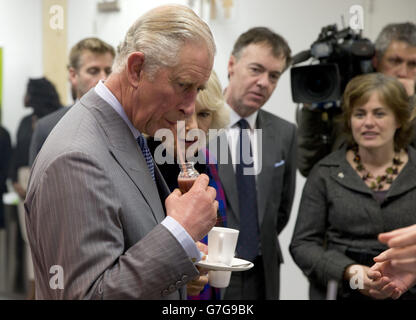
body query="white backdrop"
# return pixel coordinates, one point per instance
(298, 21)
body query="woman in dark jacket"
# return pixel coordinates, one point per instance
(5, 154)
(43, 98)
(356, 193)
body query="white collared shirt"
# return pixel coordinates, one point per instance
(171, 224)
(233, 133)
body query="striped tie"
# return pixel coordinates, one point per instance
(147, 155)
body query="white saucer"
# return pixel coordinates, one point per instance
(236, 265)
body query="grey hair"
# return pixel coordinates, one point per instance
(405, 32)
(160, 34)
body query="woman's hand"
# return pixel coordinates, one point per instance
(195, 286)
(376, 287)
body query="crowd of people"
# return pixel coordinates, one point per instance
(99, 204)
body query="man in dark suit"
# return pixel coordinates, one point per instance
(259, 198)
(90, 61)
(100, 219)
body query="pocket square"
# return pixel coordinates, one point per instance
(278, 164)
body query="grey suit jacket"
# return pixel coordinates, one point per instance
(339, 217)
(93, 209)
(43, 127)
(275, 191)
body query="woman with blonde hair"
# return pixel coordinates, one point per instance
(210, 113)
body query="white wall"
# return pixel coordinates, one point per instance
(298, 21)
(21, 39)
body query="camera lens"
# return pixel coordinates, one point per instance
(317, 83)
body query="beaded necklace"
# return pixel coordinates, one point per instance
(377, 183)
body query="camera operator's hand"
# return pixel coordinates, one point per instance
(409, 85)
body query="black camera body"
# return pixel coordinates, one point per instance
(341, 55)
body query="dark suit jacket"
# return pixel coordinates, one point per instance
(93, 209)
(339, 220)
(275, 191)
(43, 128)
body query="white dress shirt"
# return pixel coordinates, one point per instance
(171, 224)
(233, 133)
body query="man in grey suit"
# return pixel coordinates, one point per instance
(90, 61)
(100, 222)
(259, 208)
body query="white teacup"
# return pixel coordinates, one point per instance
(221, 248)
(221, 245)
(219, 279)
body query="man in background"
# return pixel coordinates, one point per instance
(90, 60)
(259, 192)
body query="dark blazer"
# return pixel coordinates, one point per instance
(275, 191)
(20, 156)
(5, 155)
(93, 209)
(43, 128)
(339, 220)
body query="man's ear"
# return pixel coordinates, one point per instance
(231, 62)
(72, 73)
(72, 77)
(135, 63)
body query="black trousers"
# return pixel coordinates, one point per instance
(247, 285)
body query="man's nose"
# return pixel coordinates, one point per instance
(403, 70)
(103, 75)
(188, 106)
(263, 80)
(191, 122)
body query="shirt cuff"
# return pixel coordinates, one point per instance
(183, 238)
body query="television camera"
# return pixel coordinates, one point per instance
(340, 55)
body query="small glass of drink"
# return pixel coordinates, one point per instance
(187, 176)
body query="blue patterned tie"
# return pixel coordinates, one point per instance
(248, 240)
(147, 155)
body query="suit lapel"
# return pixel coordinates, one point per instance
(265, 177)
(227, 175)
(140, 176)
(125, 151)
(163, 190)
